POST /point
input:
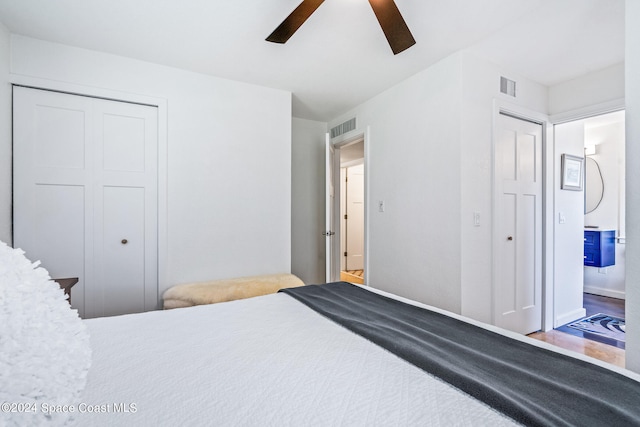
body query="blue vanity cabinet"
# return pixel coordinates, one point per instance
(599, 248)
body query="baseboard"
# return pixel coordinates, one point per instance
(570, 317)
(605, 292)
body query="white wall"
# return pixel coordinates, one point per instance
(307, 200)
(414, 167)
(446, 112)
(480, 88)
(609, 141)
(430, 161)
(632, 99)
(569, 236)
(5, 138)
(598, 87)
(229, 158)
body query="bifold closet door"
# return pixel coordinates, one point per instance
(85, 196)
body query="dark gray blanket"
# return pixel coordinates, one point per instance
(532, 385)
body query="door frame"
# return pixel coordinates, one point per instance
(113, 95)
(521, 113)
(358, 136)
(586, 113)
(331, 223)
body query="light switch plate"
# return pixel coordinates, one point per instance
(476, 219)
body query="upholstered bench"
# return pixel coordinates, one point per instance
(190, 294)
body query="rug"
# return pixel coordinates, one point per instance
(603, 325)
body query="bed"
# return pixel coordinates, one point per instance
(273, 360)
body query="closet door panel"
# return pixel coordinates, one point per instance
(59, 230)
(124, 134)
(60, 137)
(52, 160)
(85, 179)
(125, 176)
(123, 250)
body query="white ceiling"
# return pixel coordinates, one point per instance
(339, 57)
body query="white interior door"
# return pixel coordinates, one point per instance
(518, 225)
(85, 196)
(354, 244)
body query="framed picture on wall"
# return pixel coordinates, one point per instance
(572, 172)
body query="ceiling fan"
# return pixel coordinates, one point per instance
(389, 17)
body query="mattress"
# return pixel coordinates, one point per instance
(262, 361)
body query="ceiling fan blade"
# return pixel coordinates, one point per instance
(393, 25)
(291, 24)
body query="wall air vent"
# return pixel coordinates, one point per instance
(343, 128)
(508, 87)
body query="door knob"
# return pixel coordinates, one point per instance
(124, 241)
(510, 238)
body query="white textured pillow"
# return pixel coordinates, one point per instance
(44, 345)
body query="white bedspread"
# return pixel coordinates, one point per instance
(262, 361)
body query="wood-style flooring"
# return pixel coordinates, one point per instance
(593, 304)
(353, 276)
(359, 273)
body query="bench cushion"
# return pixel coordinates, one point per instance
(190, 294)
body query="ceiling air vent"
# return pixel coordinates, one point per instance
(343, 128)
(508, 87)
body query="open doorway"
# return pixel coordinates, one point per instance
(349, 211)
(602, 138)
(352, 209)
(589, 295)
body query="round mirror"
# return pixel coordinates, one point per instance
(594, 185)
